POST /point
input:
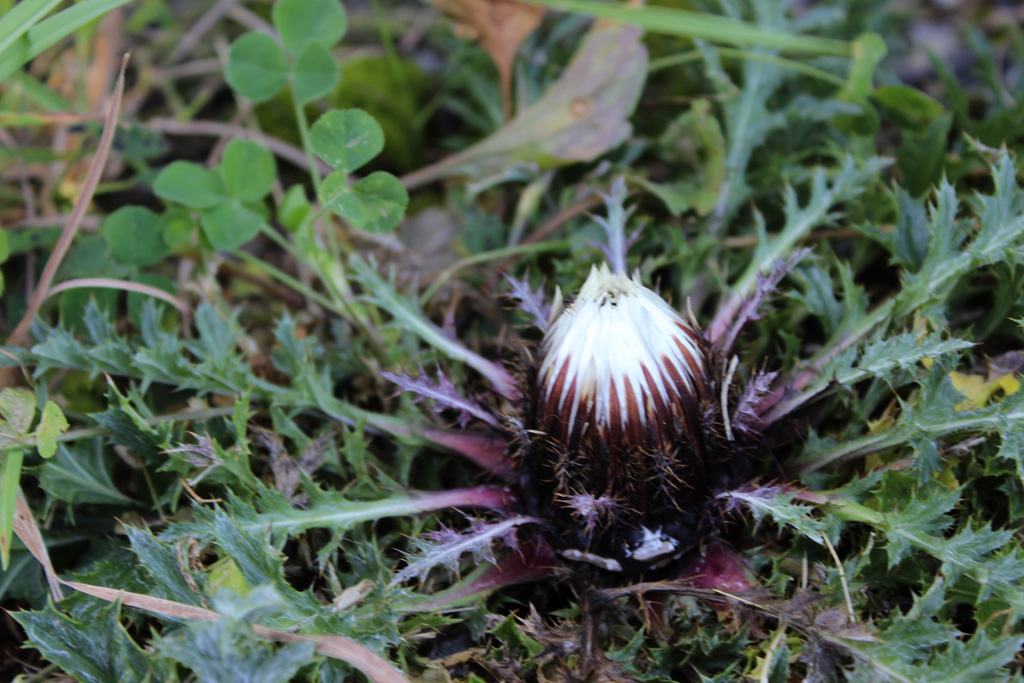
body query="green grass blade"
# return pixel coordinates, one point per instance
(23, 85)
(734, 53)
(710, 27)
(49, 31)
(10, 475)
(21, 18)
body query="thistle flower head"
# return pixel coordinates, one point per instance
(619, 365)
(620, 411)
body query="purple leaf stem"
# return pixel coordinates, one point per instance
(746, 417)
(485, 450)
(736, 313)
(496, 498)
(533, 562)
(443, 392)
(531, 302)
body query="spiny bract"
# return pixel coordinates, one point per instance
(622, 447)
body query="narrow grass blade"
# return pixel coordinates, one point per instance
(710, 27)
(21, 18)
(49, 31)
(10, 475)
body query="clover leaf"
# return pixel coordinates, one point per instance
(228, 197)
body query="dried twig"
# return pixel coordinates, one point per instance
(289, 153)
(28, 531)
(375, 667)
(92, 179)
(88, 223)
(199, 29)
(125, 285)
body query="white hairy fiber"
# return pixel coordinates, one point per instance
(618, 364)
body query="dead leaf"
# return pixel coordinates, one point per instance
(500, 26)
(28, 531)
(352, 595)
(584, 114)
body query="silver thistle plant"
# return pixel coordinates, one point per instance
(617, 435)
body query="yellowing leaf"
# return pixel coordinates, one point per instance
(500, 26)
(973, 387)
(887, 419)
(224, 573)
(51, 425)
(947, 477)
(1009, 384)
(979, 390)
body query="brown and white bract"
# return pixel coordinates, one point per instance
(620, 422)
(619, 365)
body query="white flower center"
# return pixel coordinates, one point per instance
(618, 364)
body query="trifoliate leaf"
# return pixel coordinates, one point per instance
(230, 224)
(248, 170)
(257, 68)
(135, 236)
(314, 73)
(375, 203)
(346, 139)
(305, 22)
(189, 184)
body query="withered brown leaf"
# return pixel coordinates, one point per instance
(500, 26)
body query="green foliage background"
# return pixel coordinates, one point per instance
(353, 213)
